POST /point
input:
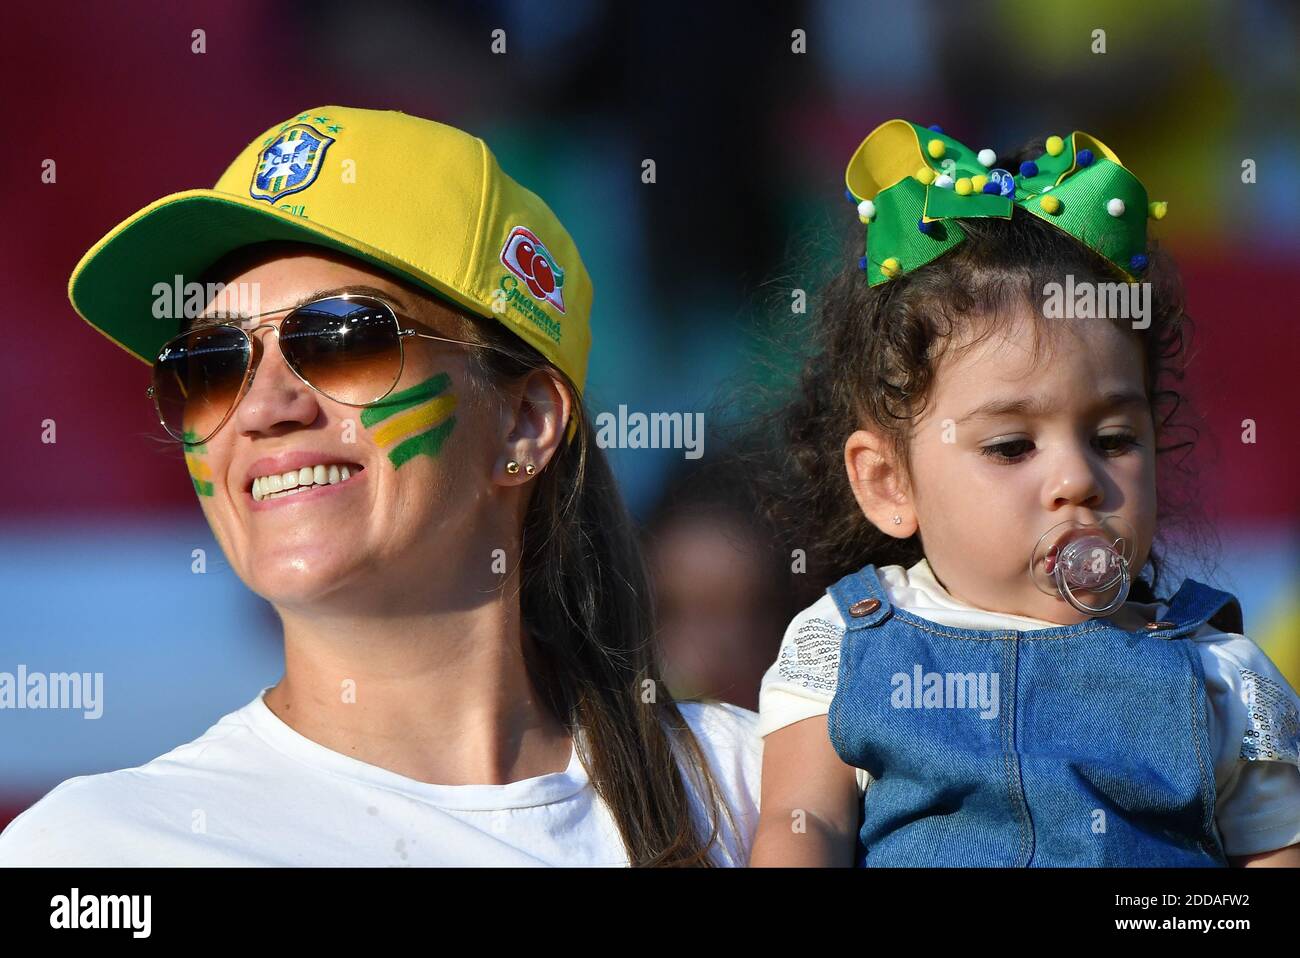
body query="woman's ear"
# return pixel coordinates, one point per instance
(538, 416)
(879, 484)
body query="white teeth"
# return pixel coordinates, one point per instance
(298, 480)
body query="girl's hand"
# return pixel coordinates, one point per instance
(810, 801)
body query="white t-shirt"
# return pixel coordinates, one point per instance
(1258, 804)
(252, 791)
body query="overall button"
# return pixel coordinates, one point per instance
(864, 607)
(1159, 624)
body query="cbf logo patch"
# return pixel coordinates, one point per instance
(291, 162)
(526, 256)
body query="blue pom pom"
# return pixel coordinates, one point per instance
(1083, 158)
(993, 188)
(925, 227)
(1138, 262)
(848, 195)
(1029, 168)
(936, 127)
(862, 263)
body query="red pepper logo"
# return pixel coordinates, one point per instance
(529, 259)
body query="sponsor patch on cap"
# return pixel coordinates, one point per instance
(289, 163)
(529, 259)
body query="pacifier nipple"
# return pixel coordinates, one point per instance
(1077, 557)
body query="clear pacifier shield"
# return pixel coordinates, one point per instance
(1086, 564)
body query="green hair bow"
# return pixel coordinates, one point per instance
(912, 184)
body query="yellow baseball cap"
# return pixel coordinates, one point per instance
(419, 199)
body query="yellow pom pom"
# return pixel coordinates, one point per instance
(890, 267)
(977, 182)
(1049, 203)
(925, 175)
(935, 148)
(1055, 145)
(963, 186)
(1158, 209)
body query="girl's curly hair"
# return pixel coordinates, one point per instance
(871, 356)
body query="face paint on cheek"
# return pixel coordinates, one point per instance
(413, 422)
(200, 472)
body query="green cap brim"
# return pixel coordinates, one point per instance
(112, 288)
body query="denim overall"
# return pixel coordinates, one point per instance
(1094, 751)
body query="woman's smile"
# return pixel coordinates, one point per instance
(299, 477)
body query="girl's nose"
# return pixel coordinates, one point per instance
(276, 396)
(1073, 482)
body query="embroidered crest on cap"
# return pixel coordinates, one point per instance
(529, 259)
(289, 163)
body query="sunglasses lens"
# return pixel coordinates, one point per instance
(197, 379)
(349, 349)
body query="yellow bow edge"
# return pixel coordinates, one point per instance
(912, 184)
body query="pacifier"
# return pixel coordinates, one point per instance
(1075, 556)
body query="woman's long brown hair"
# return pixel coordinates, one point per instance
(586, 599)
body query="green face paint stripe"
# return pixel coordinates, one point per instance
(426, 443)
(400, 402)
(188, 436)
(202, 486)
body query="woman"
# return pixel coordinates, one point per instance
(407, 474)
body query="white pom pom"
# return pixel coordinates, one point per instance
(987, 157)
(1115, 207)
(866, 211)
(944, 181)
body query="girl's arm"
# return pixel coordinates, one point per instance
(810, 800)
(1288, 857)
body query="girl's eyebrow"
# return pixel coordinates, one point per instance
(1035, 406)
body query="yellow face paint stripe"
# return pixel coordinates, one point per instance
(198, 468)
(416, 420)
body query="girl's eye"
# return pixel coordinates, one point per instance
(1013, 450)
(1116, 443)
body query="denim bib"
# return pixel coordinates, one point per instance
(1077, 745)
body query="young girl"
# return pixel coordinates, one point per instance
(980, 425)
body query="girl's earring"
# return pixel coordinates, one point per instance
(898, 520)
(529, 468)
(512, 467)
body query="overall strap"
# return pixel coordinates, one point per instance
(1195, 604)
(861, 599)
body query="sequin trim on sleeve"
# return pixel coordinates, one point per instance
(1272, 721)
(812, 659)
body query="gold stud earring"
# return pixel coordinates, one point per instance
(512, 467)
(529, 468)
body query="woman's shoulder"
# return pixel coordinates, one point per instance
(83, 819)
(728, 737)
(721, 725)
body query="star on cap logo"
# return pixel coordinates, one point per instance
(289, 163)
(529, 259)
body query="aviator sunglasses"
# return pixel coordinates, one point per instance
(347, 347)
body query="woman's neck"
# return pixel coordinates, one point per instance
(441, 697)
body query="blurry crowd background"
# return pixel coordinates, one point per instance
(749, 141)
